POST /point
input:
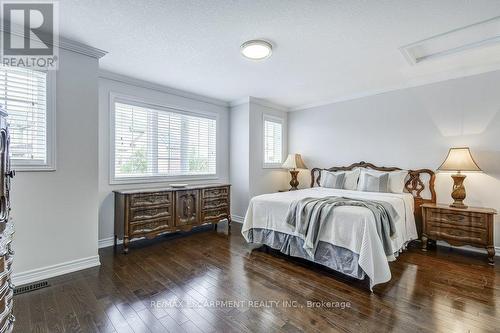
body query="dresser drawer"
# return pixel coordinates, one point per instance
(448, 217)
(215, 192)
(215, 203)
(214, 214)
(150, 199)
(147, 226)
(457, 233)
(150, 212)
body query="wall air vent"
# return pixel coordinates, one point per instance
(481, 34)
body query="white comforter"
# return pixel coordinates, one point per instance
(351, 227)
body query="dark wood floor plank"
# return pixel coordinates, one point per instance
(172, 285)
(22, 312)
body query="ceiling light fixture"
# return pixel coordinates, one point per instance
(256, 49)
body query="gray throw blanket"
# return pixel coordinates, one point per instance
(309, 215)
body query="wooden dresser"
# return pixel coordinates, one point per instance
(149, 213)
(6, 231)
(471, 226)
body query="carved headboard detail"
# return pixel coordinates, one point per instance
(415, 184)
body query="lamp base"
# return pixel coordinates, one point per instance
(294, 182)
(458, 194)
(459, 205)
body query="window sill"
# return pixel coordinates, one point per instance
(272, 166)
(33, 168)
(153, 179)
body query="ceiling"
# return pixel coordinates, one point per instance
(323, 50)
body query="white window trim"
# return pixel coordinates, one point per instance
(127, 99)
(50, 164)
(282, 122)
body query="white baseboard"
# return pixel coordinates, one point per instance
(105, 242)
(237, 219)
(47, 272)
(469, 248)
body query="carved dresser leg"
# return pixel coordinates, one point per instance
(125, 244)
(491, 255)
(424, 242)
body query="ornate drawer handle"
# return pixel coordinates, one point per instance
(11, 173)
(455, 217)
(11, 252)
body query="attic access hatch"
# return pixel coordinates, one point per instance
(474, 36)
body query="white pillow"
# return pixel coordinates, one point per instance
(396, 179)
(369, 182)
(351, 178)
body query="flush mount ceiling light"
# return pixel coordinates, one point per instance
(256, 49)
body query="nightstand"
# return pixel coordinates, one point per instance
(471, 226)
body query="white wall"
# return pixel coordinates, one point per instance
(248, 176)
(239, 159)
(156, 95)
(411, 128)
(55, 213)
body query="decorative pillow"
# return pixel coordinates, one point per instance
(351, 178)
(373, 183)
(333, 180)
(396, 179)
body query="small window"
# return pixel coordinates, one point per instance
(24, 94)
(273, 142)
(154, 142)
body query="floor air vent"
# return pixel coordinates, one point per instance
(31, 287)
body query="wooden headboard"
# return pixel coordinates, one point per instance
(415, 184)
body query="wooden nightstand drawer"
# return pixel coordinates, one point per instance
(458, 218)
(457, 226)
(458, 234)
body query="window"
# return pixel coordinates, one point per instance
(151, 142)
(273, 142)
(24, 94)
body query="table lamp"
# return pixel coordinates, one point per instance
(459, 159)
(292, 163)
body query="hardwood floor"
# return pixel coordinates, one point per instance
(444, 290)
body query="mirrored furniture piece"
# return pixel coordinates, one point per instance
(6, 230)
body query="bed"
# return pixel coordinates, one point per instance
(349, 242)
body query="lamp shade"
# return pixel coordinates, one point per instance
(459, 159)
(294, 161)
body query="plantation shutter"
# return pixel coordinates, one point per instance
(23, 94)
(273, 142)
(159, 142)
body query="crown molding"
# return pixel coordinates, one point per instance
(258, 101)
(77, 47)
(61, 43)
(113, 76)
(238, 102)
(441, 77)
